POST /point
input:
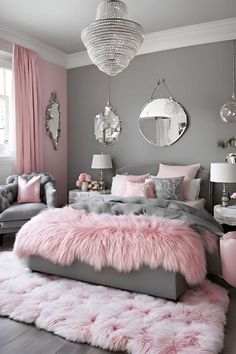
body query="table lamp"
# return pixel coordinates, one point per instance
(101, 162)
(222, 172)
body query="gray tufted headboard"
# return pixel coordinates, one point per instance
(153, 167)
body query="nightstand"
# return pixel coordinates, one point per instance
(226, 216)
(77, 195)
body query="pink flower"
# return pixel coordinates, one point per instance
(88, 178)
(78, 183)
(83, 177)
(233, 196)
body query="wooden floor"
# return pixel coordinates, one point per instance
(19, 338)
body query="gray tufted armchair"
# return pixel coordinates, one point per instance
(14, 215)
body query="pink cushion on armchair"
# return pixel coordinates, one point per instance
(29, 191)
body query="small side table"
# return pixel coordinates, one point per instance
(77, 195)
(226, 216)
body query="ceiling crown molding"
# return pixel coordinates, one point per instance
(78, 59)
(45, 51)
(208, 32)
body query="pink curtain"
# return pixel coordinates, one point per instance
(27, 111)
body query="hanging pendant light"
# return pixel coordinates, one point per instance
(228, 111)
(107, 124)
(112, 40)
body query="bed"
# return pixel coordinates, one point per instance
(157, 282)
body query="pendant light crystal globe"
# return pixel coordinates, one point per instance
(228, 111)
(112, 40)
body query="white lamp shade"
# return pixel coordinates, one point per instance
(223, 172)
(102, 161)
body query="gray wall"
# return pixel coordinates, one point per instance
(199, 77)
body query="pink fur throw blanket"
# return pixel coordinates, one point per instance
(124, 242)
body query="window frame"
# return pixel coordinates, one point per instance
(11, 157)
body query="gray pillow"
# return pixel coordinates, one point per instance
(168, 188)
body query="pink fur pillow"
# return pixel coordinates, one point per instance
(29, 191)
(134, 189)
(189, 172)
(119, 182)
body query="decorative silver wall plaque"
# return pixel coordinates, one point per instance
(53, 122)
(107, 126)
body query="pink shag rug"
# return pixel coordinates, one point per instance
(114, 319)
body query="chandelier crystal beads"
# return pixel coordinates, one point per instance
(112, 40)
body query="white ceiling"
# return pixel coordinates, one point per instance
(59, 22)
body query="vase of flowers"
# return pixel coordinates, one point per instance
(83, 181)
(84, 186)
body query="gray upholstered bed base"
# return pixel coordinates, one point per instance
(156, 282)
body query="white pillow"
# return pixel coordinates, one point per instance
(119, 182)
(194, 189)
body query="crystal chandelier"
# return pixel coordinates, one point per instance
(228, 111)
(112, 40)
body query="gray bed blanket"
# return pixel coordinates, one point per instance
(197, 219)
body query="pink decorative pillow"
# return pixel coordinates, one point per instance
(119, 183)
(29, 191)
(189, 172)
(134, 189)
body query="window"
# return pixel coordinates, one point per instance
(6, 116)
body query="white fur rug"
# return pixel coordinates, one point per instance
(114, 319)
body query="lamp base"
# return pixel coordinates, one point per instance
(102, 185)
(224, 201)
(101, 182)
(224, 198)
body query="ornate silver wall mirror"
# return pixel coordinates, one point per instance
(107, 124)
(162, 121)
(53, 123)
